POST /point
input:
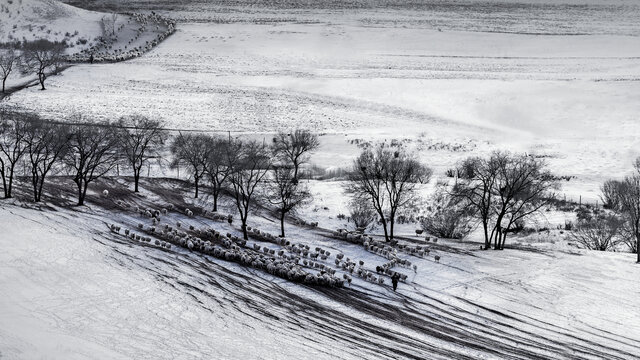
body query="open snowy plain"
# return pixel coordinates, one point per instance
(560, 79)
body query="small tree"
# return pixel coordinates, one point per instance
(220, 158)
(629, 205)
(8, 59)
(250, 168)
(47, 144)
(361, 212)
(294, 148)
(42, 57)
(93, 152)
(141, 140)
(13, 129)
(286, 193)
(610, 194)
(600, 233)
(191, 149)
(387, 178)
(449, 217)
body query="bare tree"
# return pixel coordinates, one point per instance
(8, 59)
(108, 24)
(449, 216)
(93, 152)
(140, 141)
(13, 130)
(42, 57)
(286, 193)
(220, 159)
(610, 194)
(523, 187)
(252, 165)
(477, 189)
(388, 178)
(599, 233)
(504, 191)
(47, 143)
(361, 212)
(191, 149)
(629, 200)
(294, 148)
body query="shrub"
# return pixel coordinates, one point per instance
(362, 213)
(599, 233)
(448, 217)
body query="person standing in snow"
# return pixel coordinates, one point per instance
(91, 58)
(394, 280)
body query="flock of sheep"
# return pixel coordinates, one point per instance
(292, 261)
(103, 52)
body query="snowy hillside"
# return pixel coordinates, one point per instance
(50, 19)
(75, 290)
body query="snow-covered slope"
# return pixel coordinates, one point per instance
(72, 289)
(36, 19)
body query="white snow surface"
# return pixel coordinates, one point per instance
(73, 290)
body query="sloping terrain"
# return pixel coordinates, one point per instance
(92, 293)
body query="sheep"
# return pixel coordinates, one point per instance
(126, 231)
(437, 257)
(105, 193)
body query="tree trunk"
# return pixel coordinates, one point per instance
(215, 198)
(41, 77)
(487, 241)
(281, 224)
(136, 179)
(245, 235)
(196, 183)
(391, 222)
(7, 193)
(384, 226)
(4, 80)
(80, 192)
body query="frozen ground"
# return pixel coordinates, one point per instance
(571, 98)
(72, 289)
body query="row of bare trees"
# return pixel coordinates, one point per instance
(501, 191)
(86, 151)
(622, 224)
(248, 169)
(39, 57)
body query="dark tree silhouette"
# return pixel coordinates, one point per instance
(13, 129)
(141, 140)
(294, 148)
(286, 193)
(251, 166)
(191, 150)
(8, 60)
(47, 143)
(220, 158)
(388, 178)
(93, 152)
(42, 57)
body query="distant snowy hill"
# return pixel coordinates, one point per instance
(50, 19)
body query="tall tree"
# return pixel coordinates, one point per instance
(220, 158)
(476, 189)
(629, 205)
(42, 57)
(388, 178)
(93, 152)
(286, 193)
(141, 140)
(523, 187)
(294, 148)
(13, 129)
(191, 149)
(250, 168)
(8, 60)
(47, 143)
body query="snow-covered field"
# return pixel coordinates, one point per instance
(570, 93)
(449, 79)
(74, 290)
